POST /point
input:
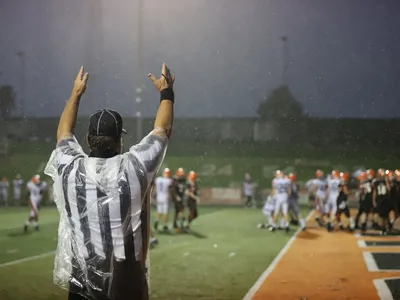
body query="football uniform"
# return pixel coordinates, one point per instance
(35, 196)
(383, 202)
(192, 187)
(366, 196)
(331, 204)
(17, 184)
(269, 206)
(281, 186)
(342, 205)
(179, 191)
(248, 191)
(163, 185)
(321, 187)
(4, 185)
(294, 198)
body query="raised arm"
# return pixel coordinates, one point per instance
(67, 122)
(165, 114)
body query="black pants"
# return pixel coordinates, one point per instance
(249, 200)
(128, 282)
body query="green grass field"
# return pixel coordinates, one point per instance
(221, 259)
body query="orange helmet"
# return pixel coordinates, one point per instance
(370, 173)
(180, 172)
(345, 176)
(363, 176)
(319, 173)
(192, 176)
(167, 173)
(292, 177)
(278, 173)
(335, 174)
(381, 172)
(389, 174)
(36, 179)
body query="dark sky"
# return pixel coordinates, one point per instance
(344, 55)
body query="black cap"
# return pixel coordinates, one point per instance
(106, 122)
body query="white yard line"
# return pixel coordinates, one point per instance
(26, 259)
(383, 290)
(250, 294)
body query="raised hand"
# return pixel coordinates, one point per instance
(165, 81)
(80, 82)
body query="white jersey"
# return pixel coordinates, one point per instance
(163, 185)
(281, 185)
(4, 186)
(333, 185)
(17, 183)
(321, 186)
(310, 185)
(35, 191)
(248, 188)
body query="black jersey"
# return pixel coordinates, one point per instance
(366, 188)
(380, 186)
(180, 186)
(342, 197)
(394, 189)
(193, 188)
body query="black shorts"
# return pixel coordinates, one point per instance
(383, 207)
(344, 211)
(366, 206)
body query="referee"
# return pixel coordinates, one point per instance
(103, 199)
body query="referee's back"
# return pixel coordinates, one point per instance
(102, 199)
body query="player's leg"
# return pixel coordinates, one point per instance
(285, 210)
(267, 211)
(297, 212)
(383, 209)
(351, 223)
(277, 210)
(328, 207)
(153, 239)
(159, 215)
(165, 216)
(176, 213)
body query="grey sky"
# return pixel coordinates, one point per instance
(226, 54)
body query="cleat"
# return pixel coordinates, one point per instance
(25, 228)
(261, 226)
(287, 229)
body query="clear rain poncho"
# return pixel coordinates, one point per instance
(103, 232)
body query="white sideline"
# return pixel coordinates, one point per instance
(250, 294)
(19, 261)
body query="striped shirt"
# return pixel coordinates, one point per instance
(100, 205)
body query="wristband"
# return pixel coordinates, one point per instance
(167, 94)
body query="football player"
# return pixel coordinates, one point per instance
(35, 188)
(381, 199)
(333, 194)
(320, 188)
(192, 193)
(178, 198)
(268, 211)
(281, 191)
(342, 204)
(163, 186)
(365, 200)
(294, 198)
